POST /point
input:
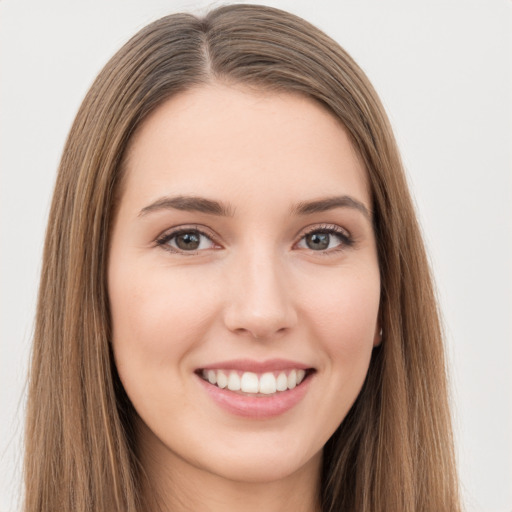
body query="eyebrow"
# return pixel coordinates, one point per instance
(329, 203)
(189, 204)
(212, 207)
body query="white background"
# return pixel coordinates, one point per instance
(443, 70)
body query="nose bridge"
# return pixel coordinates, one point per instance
(260, 300)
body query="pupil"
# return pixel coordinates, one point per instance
(188, 241)
(318, 241)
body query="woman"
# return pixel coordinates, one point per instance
(235, 307)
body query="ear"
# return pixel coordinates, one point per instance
(377, 339)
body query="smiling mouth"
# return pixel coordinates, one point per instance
(255, 384)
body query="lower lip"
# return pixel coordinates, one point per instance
(257, 407)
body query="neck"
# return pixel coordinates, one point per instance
(218, 495)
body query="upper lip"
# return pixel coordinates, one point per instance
(250, 365)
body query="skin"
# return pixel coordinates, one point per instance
(253, 290)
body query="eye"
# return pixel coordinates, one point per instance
(325, 239)
(186, 240)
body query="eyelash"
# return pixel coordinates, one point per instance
(331, 229)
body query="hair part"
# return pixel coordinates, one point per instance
(394, 450)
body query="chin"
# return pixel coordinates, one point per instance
(263, 468)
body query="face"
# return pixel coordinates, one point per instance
(243, 282)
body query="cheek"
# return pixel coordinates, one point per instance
(157, 317)
(344, 314)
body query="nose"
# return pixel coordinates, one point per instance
(260, 302)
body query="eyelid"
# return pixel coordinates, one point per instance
(323, 227)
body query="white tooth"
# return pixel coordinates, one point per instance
(282, 382)
(300, 376)
(234, 382)
(292, 379)
(212, 378)
(222, 379)
(268, 383)
(249, 382)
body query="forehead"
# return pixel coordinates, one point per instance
(231, 140)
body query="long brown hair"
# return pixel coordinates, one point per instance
(394, 450)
